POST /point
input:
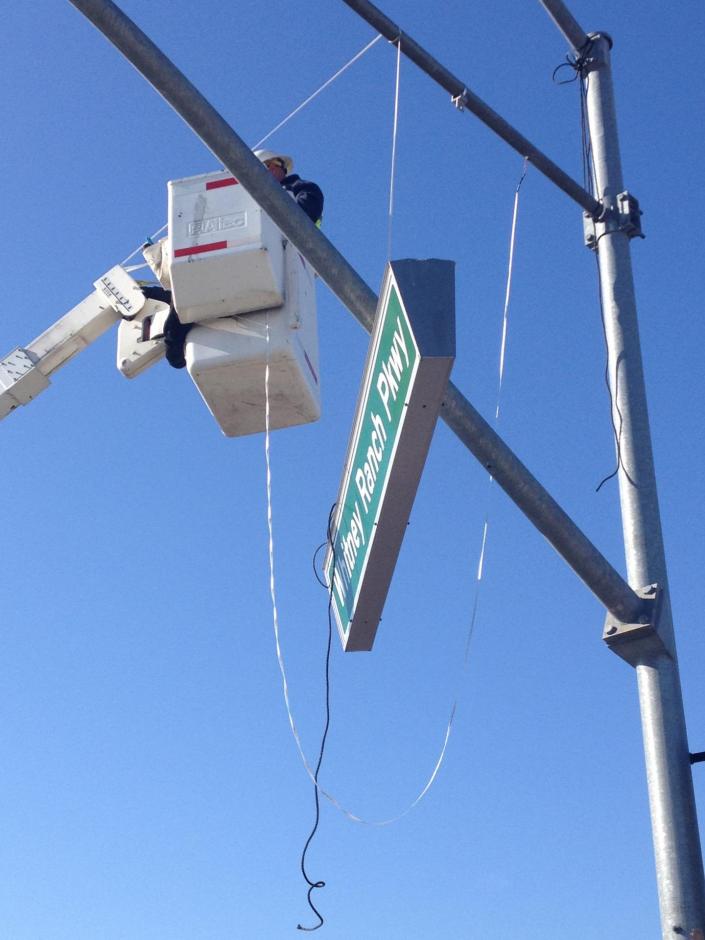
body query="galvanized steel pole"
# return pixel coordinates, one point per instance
(519, 484)
(465, 98)
(679, 864)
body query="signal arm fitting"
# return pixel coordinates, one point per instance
(624, 217)
(637, 642)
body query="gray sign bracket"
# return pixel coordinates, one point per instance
(641, 641)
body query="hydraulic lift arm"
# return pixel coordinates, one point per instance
(116, 297)
(233, 294)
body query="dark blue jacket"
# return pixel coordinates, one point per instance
(307, 195)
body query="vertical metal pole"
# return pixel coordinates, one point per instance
(679, 866)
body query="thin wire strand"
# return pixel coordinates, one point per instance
(392, 172)
(142, 244)
(318, 91)
(508, 290)
(500, 381)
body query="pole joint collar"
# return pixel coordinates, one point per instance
(601, 34)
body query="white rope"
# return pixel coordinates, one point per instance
(394, 156)
(272, 586)
(508, 291)
(478, 578)
(500, 380)
(318, 91)
(281, 123)
(481, 561)
(277, 642)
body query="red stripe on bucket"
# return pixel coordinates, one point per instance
(198, 249)
(217, 184)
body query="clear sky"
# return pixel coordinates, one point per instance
(151, 789)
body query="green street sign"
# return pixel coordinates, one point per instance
(411, 353)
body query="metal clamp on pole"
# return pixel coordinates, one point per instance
(624, 217)
(641, 641)
(458, 101)
(629, 215)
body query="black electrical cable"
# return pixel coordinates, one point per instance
(313, 885)
(614, 402)
(574, 62)
(585, 148)
(589, 180)
(315, 559)
(569, 64)
(617, 434)
(590, 183)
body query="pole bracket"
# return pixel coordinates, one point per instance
(625, 217)
(640, 641)
(629, 215)
(458, 101)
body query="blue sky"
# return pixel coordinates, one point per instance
(151, 789)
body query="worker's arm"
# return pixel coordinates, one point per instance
(307, 195)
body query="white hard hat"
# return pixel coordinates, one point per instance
(265, 155)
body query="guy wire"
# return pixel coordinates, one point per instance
(318, 91)
(281, 124)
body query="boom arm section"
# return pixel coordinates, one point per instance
(24, 373)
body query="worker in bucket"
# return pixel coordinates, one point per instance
(308, 197)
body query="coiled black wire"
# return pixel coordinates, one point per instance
(316, 885)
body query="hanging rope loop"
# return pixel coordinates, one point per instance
(395, 127)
